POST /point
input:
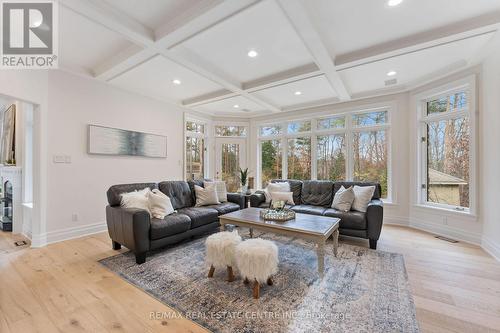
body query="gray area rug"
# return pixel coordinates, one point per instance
(362, 290)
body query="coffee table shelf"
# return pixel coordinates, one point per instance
(310, 227)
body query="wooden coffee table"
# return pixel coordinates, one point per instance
(311, 227)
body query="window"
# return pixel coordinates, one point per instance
(224, 130)
(271, 165)
(446, 150)
(370, 157)
(331, 123)
(299, 127)
(299, 158)
(195, 127)
(352, 146)
(270, 130)
(331, 157)
(230, 164)
(195, 150)
(194, 158)
(453, 102)
(369, 119)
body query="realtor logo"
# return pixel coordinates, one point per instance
(29, 38)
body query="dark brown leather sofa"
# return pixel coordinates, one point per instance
(136, 230)
(315, 197)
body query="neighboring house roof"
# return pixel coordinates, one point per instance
(441, 178)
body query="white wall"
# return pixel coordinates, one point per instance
(490, 152)
(80, 187)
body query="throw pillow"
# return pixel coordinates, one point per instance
(283, 196)
(136, 199)
(206, 196)
(159, 204)
(276, 187)
(220, 187)
(343, 199)
(362, 196)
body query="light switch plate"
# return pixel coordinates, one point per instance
(59, 159)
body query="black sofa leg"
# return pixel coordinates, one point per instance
(116, 245)
(140, 258)
(373, 244)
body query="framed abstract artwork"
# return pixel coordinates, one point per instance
(113, 141)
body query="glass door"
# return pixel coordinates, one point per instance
(231, 156)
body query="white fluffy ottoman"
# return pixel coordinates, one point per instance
(220, 252)
(257, 261)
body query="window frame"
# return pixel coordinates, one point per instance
(245, 126)
(423, 119)
(205, 136)
(348, 130)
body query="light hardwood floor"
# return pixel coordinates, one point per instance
(62, 287)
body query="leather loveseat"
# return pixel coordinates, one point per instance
(136, 230)
(315, 197)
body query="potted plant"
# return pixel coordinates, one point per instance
(243, 180)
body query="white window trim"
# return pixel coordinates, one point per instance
(232, 123)
(471, 111)
(206, 139)
(348, 130)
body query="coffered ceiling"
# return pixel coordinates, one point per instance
(249, 57)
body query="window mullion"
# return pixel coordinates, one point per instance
(350, 152)
(314, 151)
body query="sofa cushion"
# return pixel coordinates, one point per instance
(264, 205)
(179, 193)
(115, 192)
(308, 209)
(376, 195)
(206, 196)
(171, 225)
(295, 187)
(200, 215)
(348, 220)
(225, 207)
(317, 192)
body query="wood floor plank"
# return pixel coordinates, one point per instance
(62, 287)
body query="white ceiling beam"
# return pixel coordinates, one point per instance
(208, 98)
(189, 60)
(198, 19)
(107, 16)
(462, 30)
(297, 16)
(140, 35)
(121, 62)
(202, 17)
(288, 76)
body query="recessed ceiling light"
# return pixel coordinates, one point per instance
(176, 81)
(252, 53)
(392, 3)
(391, 73)
(298, 93)
(236, 106)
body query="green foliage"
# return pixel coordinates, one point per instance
(243, 176)
(271, 160)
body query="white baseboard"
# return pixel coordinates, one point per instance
(67, 233)
(38, 240)
(447, 231)
(396, 220)
(491, 247)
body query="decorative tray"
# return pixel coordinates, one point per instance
(277, 215)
